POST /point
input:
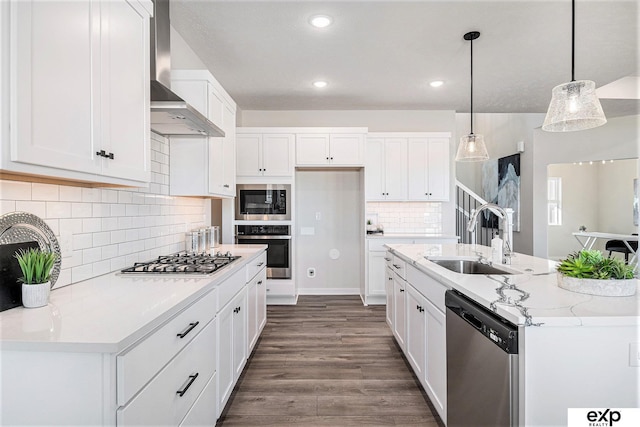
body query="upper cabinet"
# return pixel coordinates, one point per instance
(200, 165)
(263, 153)
(386, 168)
(428, 168)
(75, 90)
(330, 147)
(407, 166)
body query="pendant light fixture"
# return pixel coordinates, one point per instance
(472, 148)
(574, 105)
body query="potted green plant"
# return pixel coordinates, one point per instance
(590, 272)
(36, 266)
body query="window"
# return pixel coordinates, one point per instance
(554, 200)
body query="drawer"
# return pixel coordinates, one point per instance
(136, 366)
(388, 259)
(399, 266)
(280, 288)
(203, 413)
(169, 396)
(427, 286)
(255, 266)
(230, 287)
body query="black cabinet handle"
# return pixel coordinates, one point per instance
(189, 329)
(260, 265)
(104, 154)
(401, 290)
(110, 156)
(396, 266)
(331, 158)
(327, 158)
(390, 278)
(226, 186)
(192, 378)
(260, 282)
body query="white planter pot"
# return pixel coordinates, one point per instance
(607, 288)
(34, 296)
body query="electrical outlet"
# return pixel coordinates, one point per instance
(311, 273)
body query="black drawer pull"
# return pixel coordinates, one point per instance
(189, 329)
(401, 290)
(259, 282)
(192, 378)
(387, 259)
(226, 186)
(260, 265)
(396, 266)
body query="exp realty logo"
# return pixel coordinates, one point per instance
(603, 417)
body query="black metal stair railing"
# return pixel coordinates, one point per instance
(488, 223)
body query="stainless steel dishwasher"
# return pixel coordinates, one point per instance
(482, 365)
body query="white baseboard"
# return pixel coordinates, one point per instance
(282, 299)
(329, 291)
(376, 300)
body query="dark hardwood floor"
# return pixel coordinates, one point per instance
(328, 361)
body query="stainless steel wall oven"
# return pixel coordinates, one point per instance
(278, 239)
(263, 202)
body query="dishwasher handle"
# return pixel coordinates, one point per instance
(471, 319)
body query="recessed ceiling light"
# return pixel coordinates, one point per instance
(320, 84)
(320, 21)
(436, 83)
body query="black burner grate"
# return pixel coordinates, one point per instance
(183, 263)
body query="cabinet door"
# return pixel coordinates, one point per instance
(215, 106)
(346, 149)
(215, 165)
(436, 367)
(376, 269)
(125, 91)
(395, 168)
(261, 309)
(418, 149)
(438, 169)
(54, 84)
(416, 328)
(252, 306)
(374, 170)
(388, 284)
(277, 154)
(248, 160)
(239, 333)
(229, 153)
(312, 149)
(399, 304)
(225, 370)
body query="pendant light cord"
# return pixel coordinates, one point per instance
(471, 113)
(573, 39)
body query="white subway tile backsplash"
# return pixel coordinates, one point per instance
(109, 229)
(15, 190)
(70, 194)
(36, 208)
(58, 210)
(407, 217)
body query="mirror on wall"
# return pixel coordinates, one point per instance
(599, 196)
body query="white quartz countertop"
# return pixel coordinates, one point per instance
(110, 312)
(411, 236)
(531, 297)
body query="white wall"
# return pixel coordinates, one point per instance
(501, 133)
(107, 229)
(375, 121)
(329, 202)
(182, 56)
(618, 139)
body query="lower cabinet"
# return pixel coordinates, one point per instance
(414, 314)
(257, 302)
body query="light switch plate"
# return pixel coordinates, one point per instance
(634, 354)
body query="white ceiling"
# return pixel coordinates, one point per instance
(383, 54)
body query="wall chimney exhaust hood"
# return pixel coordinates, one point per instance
(170, 114)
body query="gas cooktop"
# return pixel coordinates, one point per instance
(183, 263)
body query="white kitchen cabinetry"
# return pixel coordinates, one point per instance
(204, 166)
(399, 309)
(428, 168)
(388, 287)
(416, 331)
(386, 168)
(374, 288)
(257, 301)
(330, 147)
(264, 154)
(75, 89)
(407, 166)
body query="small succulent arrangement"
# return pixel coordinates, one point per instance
(36, 265)
(592, 264)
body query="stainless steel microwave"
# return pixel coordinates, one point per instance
(263, 202)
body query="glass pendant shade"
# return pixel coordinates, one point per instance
(472, 149)
(574, 106)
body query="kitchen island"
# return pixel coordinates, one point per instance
(575, 350)
(134, 349)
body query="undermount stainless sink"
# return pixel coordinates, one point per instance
(466, 266)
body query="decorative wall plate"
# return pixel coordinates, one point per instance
(18, 227)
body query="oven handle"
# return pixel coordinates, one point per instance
(243, 237)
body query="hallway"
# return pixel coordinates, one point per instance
(328, 361)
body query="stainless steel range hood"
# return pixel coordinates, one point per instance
(170, 114)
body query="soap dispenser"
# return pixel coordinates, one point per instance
(496, 249)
